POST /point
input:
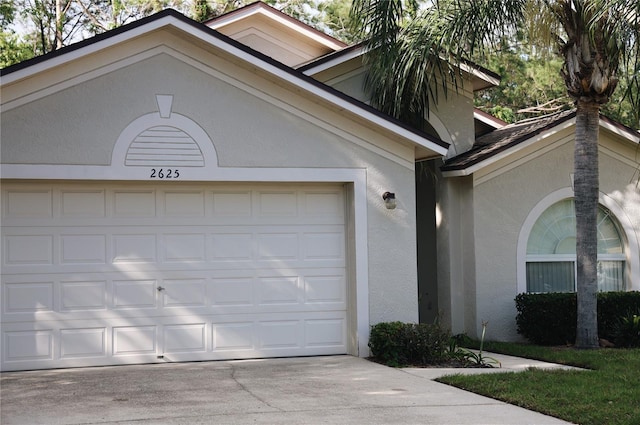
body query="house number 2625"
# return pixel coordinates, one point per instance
(164, 173)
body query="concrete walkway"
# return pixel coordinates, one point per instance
(309, 390)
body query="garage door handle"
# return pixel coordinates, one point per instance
(160, 288)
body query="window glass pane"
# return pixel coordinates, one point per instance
(611, 276)
(609, 240)
(550, 276)
(555, 231)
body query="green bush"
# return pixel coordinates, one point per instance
(611, 307)
(547, 319)
(626, 332)
(400, 344)
(550, 319)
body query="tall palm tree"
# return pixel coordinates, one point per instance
(415, 49)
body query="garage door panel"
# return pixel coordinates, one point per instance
(134, 248)
(28, 298)
(122, 273)
(30, 202)
(27, 249)
(183, 247)
(85, 249)
(135, 294)
(184, 293)
(133, 203)
(83, 343)
(77, 203)
(28, 345)
(226, 205)
(325, 332)
(325, 290)
(183, 204)
(185, 338)
(279, 334)
(278, 290)
(232, 247)
(277, 246)
(134, 340)
(277, 204)
(234, 336)
(83, 295)
(323, 246)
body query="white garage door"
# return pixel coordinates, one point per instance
(96, 274)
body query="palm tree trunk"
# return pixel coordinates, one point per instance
(586, 205)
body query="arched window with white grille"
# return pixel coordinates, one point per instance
(551, 251)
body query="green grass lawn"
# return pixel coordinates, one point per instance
(607, 393)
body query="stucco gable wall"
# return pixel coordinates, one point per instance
(227, 113)
(451, 118)
(504, 200)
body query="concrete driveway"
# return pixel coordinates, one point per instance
(310, 390)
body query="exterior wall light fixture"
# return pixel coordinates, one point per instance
(389, 200)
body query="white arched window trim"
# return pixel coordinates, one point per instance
(630, 239)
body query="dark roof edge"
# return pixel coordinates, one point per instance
(92, 40)
(620, 125)
(482, 69)
(175, 14)
(329, 56)
(509, 145)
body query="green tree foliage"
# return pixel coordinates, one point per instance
(47, 25)
(530, 85)
(13, 49)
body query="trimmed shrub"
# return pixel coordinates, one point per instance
(550, 319)
(547, 319)
(399, 344)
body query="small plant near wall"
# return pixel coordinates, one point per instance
(471, 357)
(399, 344)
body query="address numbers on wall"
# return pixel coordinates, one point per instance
(165, 173)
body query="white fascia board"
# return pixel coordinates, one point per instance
(264, 11)
(480, 74)
(170, 21)
(489, 120)
(340, 59)
(621, 131)
(504, 154)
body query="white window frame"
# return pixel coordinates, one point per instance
(628, 235)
